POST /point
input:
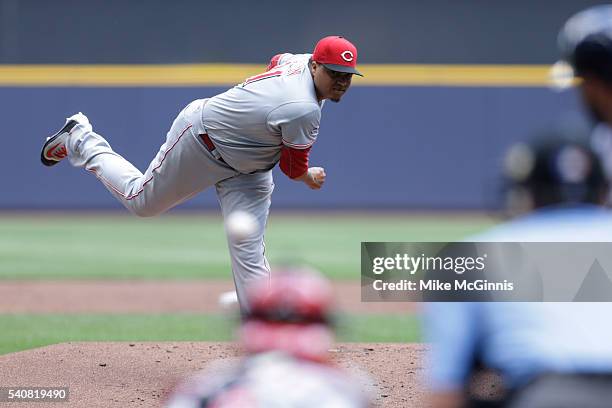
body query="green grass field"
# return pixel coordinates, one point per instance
(192, 247)
(22, 332)
(179, 247)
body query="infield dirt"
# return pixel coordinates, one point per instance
(141, 374)
(143, 296)
(121, 374)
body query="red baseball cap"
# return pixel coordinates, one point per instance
(337, 54)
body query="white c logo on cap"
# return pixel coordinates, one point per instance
(347, 56)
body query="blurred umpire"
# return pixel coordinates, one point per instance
(546, 354)
(286, 335)
(585, 43)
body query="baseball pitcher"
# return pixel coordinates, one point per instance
(230, 141)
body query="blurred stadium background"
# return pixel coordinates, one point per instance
(448, 87)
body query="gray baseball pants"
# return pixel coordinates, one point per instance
(182, 168)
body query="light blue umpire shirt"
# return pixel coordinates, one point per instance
(522, 339)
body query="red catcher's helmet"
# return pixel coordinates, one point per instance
(291, 312)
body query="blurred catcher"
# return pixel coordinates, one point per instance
(286, 336)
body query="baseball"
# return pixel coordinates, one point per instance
(240, 225)
(228, 300)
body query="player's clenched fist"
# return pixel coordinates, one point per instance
(315, 177)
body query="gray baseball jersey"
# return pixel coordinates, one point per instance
(250, 122)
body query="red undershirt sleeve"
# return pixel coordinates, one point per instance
(294, 162)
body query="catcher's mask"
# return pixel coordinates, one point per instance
(290, 312)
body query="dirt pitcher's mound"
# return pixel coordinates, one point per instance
(141, 374)
(150, 296)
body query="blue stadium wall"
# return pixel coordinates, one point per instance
(388, 147)
(422, 146)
